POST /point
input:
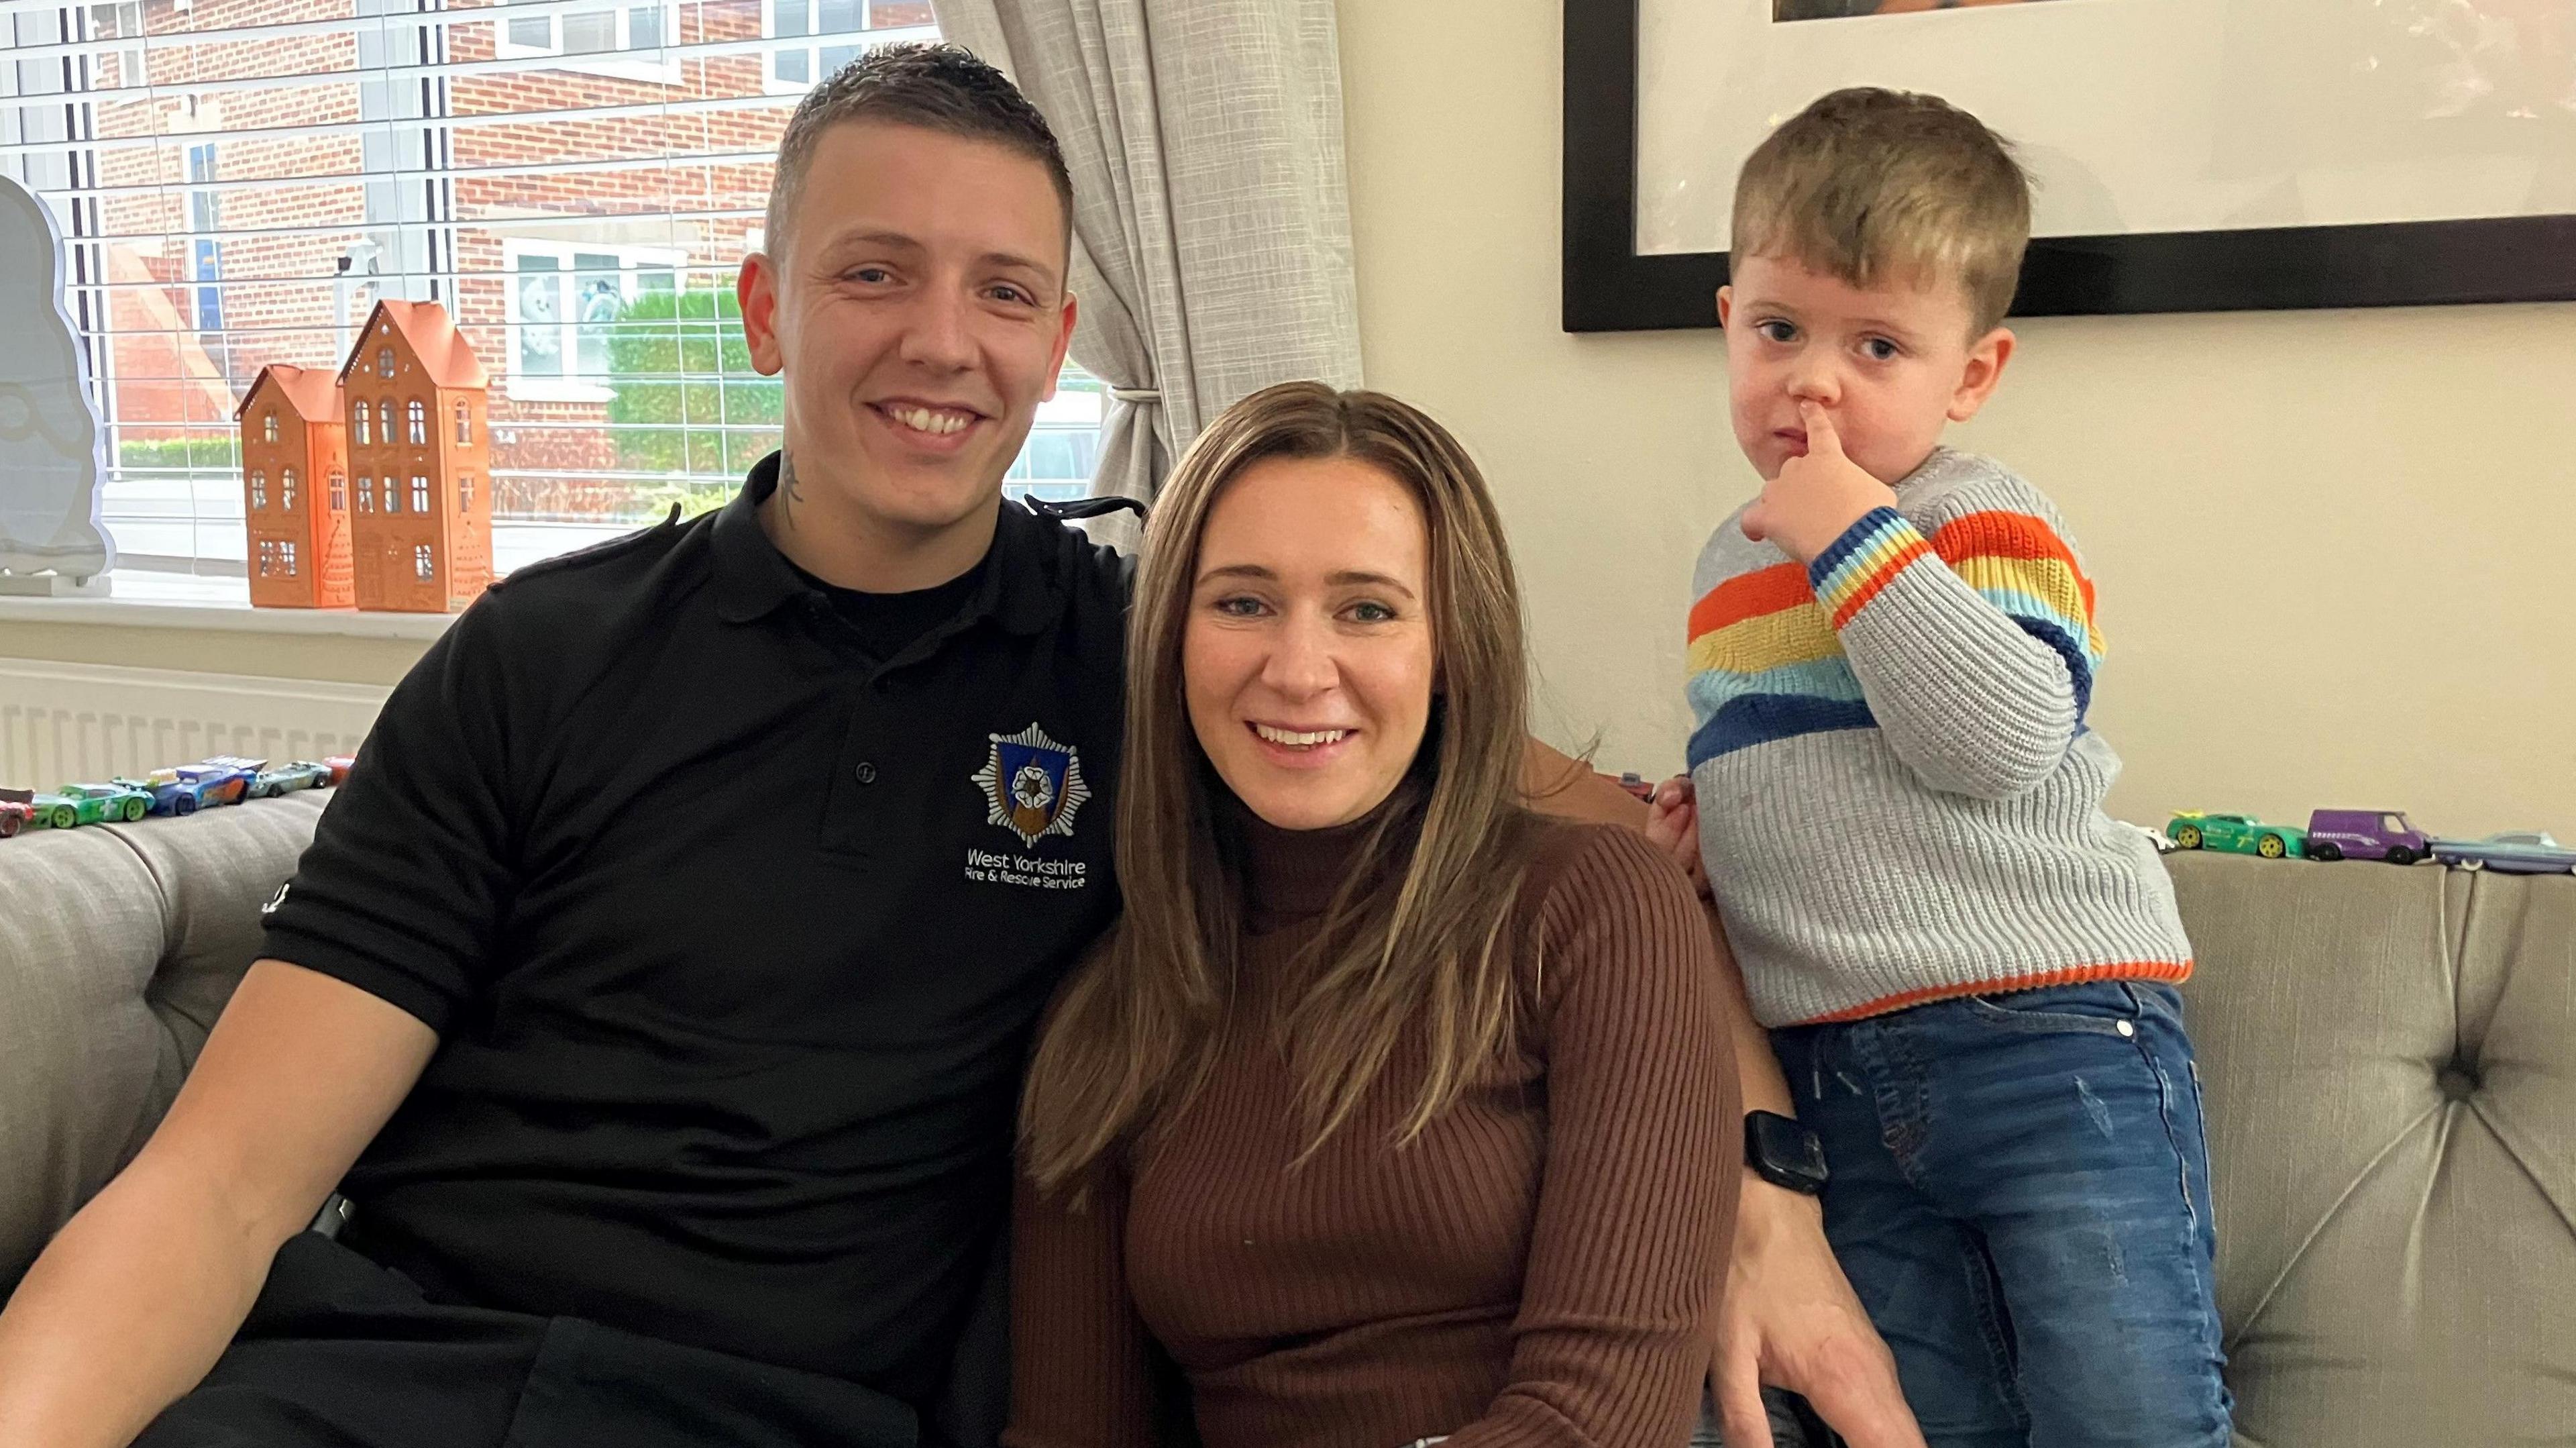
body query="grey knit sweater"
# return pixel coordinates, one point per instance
(1899, 800)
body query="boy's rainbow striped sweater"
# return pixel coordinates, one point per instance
(1899, 800)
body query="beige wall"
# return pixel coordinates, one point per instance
(2331, 547)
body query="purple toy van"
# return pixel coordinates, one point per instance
(2366, 834)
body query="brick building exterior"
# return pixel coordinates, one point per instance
(533, 227)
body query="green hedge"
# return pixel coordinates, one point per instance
(695, 335)
(212, 452)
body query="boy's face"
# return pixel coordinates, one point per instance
(1891, 366)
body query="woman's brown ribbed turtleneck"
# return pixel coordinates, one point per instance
(1540, 1266)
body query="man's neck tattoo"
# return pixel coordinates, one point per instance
(789, 494)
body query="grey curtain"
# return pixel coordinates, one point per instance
(1212, 234)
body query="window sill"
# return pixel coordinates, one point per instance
(527, 390)
(180, 601)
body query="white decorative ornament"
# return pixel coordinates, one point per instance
(50, 459)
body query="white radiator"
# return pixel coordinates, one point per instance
(78, 723)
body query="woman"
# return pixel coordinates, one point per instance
(1390, 1111)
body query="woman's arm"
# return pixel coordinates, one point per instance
(1628, 1249)
(134, 1300)
(1079, 1354)
(1791, 1318)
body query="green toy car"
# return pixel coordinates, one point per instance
(91, 804)
(2236, 834)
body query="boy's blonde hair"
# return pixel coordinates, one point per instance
(1874, 186)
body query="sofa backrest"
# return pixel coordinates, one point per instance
(118, 946)
(2390, 1066)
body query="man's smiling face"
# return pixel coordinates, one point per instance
(919, 315)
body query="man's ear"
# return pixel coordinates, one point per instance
(1725, 305)
(1985, 369)
(1063, 344)
(756, 288)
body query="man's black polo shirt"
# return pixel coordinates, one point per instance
(733, 937)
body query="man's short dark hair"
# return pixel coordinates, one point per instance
(934, 86)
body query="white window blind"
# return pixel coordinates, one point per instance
(237, 181)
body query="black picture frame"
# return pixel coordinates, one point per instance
(1609, 287)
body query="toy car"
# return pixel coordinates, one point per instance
(297, 774)
(186, 788)
(17, 807)
(2164, 844)
(2236, 834)
(340, 765)
(2366, 834)
(91, 804)
(2515, 852)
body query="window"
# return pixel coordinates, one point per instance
(286, 556)
(259, 492)
(291, 163)
(420, 495)
(464, 492)
(419, 423)
(630, 41)
(267, 557)
(565, 303)
(268, 428)
(205, 254)
(339, 494)
(836, 26)
(286, 491)
(393, 496)
(424, 563)
(464, 426)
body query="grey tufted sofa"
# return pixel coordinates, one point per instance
(2390, 1059)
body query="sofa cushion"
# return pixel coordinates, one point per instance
(118, 946)
(2390, 1066)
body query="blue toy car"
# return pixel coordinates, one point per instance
(184, 789)
(2515, 852)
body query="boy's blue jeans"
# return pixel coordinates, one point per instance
(2020, 1195)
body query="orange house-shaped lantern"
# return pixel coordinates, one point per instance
(420, 519)
(295, 489)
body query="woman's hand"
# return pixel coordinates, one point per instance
(1672, 823)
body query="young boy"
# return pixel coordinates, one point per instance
(1967, 967)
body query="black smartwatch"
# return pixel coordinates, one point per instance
(1784, 1153)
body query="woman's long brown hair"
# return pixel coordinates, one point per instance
(1133, 1033)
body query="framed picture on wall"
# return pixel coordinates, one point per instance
(2187, 155)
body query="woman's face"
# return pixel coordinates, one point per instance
(1307, 660)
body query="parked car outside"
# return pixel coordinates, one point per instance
(2366, 834)
(2236, 834)
(2515, 852)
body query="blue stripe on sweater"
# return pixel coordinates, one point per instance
(1831, 678)
(1752, 719)
(2079, 668)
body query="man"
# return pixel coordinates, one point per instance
(657, 987)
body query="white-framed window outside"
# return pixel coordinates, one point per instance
(564, 302)
(618, 40)
(549, 218)
(836, 24)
